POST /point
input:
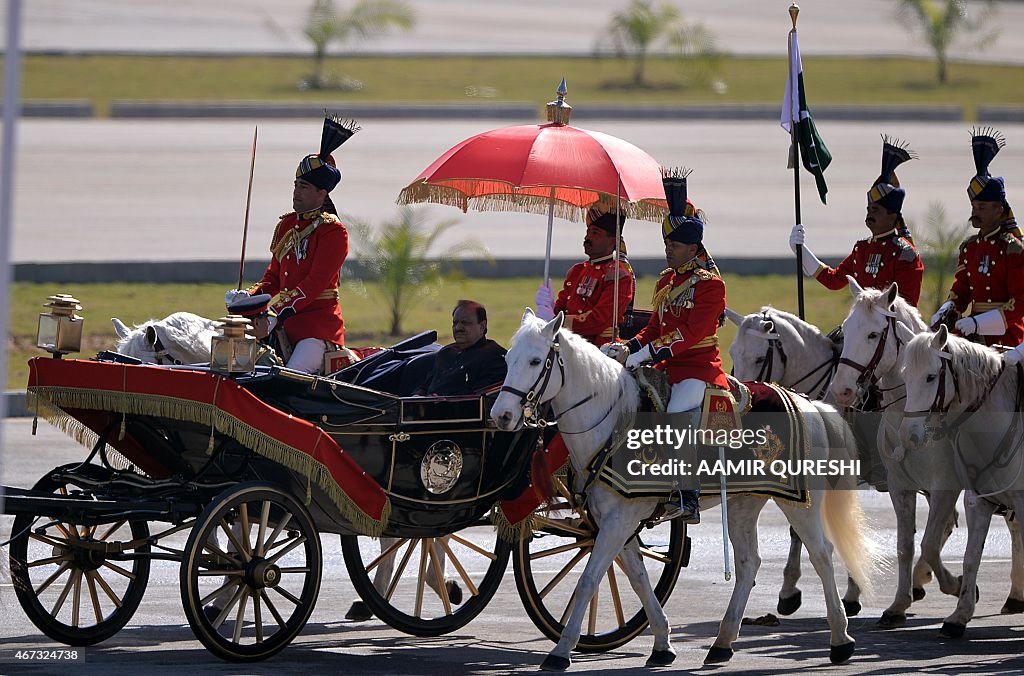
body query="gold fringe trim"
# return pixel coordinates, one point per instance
(517, 532)
(53, 400)
(421, 191)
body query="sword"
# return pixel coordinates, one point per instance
(248, 203)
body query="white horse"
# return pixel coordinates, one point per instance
(778, 347)
(966, 386)
(871, 348)
(560, 367)
(184, 338)
(180, 338)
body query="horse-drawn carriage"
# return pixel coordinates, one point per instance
(235, 475)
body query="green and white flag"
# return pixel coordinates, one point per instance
(816, 156)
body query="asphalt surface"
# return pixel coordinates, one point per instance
(757, 27)
(502, 639)
(175, 189)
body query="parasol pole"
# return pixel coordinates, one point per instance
(547, 250)
(248, 203)
(618, 247)
(794, 158)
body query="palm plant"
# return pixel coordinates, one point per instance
(400, 255)
(642, 26)
(941, 245)
(942, 22)
(366, 19)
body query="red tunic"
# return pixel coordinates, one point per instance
(588, 294)
(875, 263)
(990, 276)
(304, 273)
(683, 327)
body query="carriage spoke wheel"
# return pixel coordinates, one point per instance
(70, 579)
(549, 563)
(471, 563)
(251, 572)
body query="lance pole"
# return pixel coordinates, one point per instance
(248, 203)
(794, 160)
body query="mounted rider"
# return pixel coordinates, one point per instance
(889, 254)
(989, 278)
(588, 295)
(689, 299)
(309, 247)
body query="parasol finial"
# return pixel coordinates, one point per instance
(559, 111)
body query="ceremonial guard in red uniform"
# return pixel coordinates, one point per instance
(889, 255)
(308, 248)
(588, 295)
(989, 283)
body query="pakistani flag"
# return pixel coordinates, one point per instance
(816, 156)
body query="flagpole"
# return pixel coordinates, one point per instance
(794, 154)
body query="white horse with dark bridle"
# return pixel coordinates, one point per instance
(870, 358)
(555, 366)
(975, 397)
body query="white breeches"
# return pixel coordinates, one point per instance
(686, 395)
(308, 355)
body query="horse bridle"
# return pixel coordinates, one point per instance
(768, 365)
(867, 379)
(160, 352)
(530, 400)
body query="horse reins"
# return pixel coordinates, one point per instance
(868, 380)
(768, 366)
(160, 352)
(531, 398)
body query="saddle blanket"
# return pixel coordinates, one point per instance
(662, 454)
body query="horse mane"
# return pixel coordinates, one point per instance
(808, 332)
(186, 337)
(975, 366)
(905, 312)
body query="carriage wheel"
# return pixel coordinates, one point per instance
(251, 572)
(473, 559)
(73, 594)
(548, 564)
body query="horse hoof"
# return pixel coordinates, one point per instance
(852, 608)
(359, 612)
(952, 630)
(918, 593)
(1012, 607)
(718, 655)
(661, 658)
(838, 654)
(454, 592)
(790, 604)
(892, 620)
(555, 663)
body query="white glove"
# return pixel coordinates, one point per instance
(635, 361)
(989, 323)
(545, 300)
(796, 236)
(810, 261)
(967, 326)
(234, 294)
(941, 311)
(617, 351)
(1014, 356)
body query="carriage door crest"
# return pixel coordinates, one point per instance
(441, 466)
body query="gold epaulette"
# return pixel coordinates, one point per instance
(1013, 243)
(665, 272)
(326, 217)
(703, 274)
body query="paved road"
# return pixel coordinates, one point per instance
(503, 26)
(502, 640)
(175, 190)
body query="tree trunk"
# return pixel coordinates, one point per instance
(943, 77)
(638, 69)
(318, 66)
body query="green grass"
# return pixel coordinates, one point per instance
(361, 305)
(102, 79)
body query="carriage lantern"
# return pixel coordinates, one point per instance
(60, 329)
(233, 351)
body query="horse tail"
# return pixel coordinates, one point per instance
(541, 476)
(841, 513)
